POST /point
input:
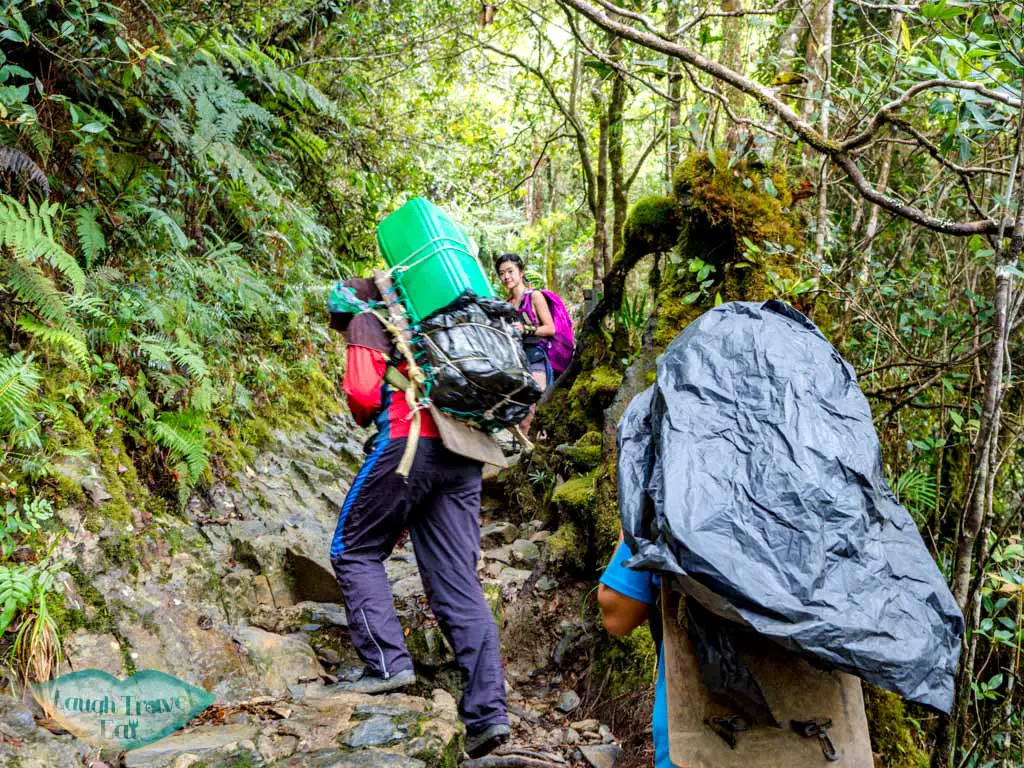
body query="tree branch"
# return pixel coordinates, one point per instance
(885, 111)
(569, 114)
(705, 15)
(838, 153)
(724, 103)
(640, 163)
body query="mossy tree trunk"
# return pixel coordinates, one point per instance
(712, 215)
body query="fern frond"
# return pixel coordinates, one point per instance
(91, 307)
(90, 234)
(185, 445)
(140, 397)
(14, 161)
(156, 349)
(241, 168)
(40, 141)
(307, 144)
(191, 362)
(19, 381)
(916, 490)
(107, 277)
(30, 285)
(57, 337)
(203, 397)
(170, 227)
(29, 233)
(268, 73)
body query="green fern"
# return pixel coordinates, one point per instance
(57, 337)
(252, 61)
(19, 382)
(164, 221)
(184, 444)
(306, 144)
(917, 491)
(31, 286)
(160, 349)
(40, 141)
(17, 592)
(90, 234)
(140, 397)
(29, 233)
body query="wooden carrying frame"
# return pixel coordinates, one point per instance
(459, 437)
(794, 689)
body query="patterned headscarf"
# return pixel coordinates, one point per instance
(351, 305)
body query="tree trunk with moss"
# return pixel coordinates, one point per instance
(711, 215)
(616, 159)
(600, 256)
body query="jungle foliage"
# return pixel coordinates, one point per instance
(179, 181)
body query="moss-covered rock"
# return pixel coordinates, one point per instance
(576, 495)
(580, 458)
(894, 736)
(564, 550)
(627, 663)
(492, 594)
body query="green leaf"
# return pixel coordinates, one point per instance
(905, 35)
(691, 297)
(90, 234)
(941, 11)
(93, 127)
(769, 187)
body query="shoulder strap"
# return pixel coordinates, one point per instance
(397, 379)
(526, 305)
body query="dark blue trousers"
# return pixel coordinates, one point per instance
(440, 504)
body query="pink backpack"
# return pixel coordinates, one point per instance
(561, 346)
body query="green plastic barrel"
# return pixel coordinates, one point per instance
(430, 257)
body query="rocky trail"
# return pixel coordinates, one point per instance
(237, 597)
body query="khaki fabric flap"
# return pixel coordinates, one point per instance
(467, 441)
(794, 689)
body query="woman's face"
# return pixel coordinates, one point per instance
(510, 275)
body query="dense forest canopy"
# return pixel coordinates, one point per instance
(182, 181)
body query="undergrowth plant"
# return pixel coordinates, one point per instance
(155, 285)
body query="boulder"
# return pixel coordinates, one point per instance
(198, 741)
(280, 659)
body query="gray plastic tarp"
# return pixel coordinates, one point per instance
(752, 469)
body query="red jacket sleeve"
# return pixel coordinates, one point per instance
(364, 374)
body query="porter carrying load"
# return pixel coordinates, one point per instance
(457, 341)
(750, 474)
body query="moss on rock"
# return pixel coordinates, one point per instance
(576, 494)
(894, 736)
(564, 550)
(628, 663)
(492, 594)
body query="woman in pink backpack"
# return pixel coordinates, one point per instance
(548, 346)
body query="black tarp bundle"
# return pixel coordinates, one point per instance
(751, 469)
(476, 362)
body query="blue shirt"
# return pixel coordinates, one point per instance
(642, 586)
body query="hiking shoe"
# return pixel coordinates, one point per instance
(479, 743)
(370, 683)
